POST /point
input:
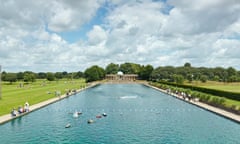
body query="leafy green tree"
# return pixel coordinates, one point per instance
(231, 71)
(78, 75)
(126, 68)
(184, 71)
(221, 72)
(50, 76)
(233, 78)
(232, 75)
(59, 75)
(64, 74)
(162, 73)
(190, 77)
(203, 78)
(179, 79)
(136, 68)
(225, 76)
(11, 77)
(216, 78)
(29, 77)
(94, 73)
(112, 68)
(145, 72)
(4, 73)
(187, 64)
(42, 75)
(130, 68)
(70, 75)
(20, 75)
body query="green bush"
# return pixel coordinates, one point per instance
(234, 107)
(217, 101)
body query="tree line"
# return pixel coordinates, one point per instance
(144, 72)
(97, 73)
(167, 73)
(29, 76)
(189, 73)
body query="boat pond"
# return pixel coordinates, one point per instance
(135, 114)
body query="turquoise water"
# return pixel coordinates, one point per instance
(136, 114)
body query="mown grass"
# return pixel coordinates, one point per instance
(231, 87)
(13, 95)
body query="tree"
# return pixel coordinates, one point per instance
(187, 64)
(130, 68)
(190, 77)
(20, 75)
(94, 73)
(42, 75)
(221, 73)
(179, 79)
(233, 78)
(4, 75)
(59, 75)
(216, 78)
(64, 74)
(232, 75)
(11, 77)
(231, 71)
(29, 77)
(163, 73)
(203, 78)
(112, 68)
(145, 72)
(78, 75)
(50, 76)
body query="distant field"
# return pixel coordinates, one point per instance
(232, 87)
(13, 95)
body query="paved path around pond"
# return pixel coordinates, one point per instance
(8, 117)
(218, 111)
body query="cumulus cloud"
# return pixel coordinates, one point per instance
(70, 15)
(194, 17)
(204, 33)
(97, 35)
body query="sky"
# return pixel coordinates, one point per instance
(72, 35)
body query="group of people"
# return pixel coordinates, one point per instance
(20, 109)
(182, 95)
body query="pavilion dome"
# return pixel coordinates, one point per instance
(120, 73)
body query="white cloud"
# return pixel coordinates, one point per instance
(97, 35)
(191, 17)
(70, 15)
(204, 33)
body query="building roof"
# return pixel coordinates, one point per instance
(119, 73)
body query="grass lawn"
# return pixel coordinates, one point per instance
(232, 87)
(13, 95)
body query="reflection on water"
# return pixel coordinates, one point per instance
(128, 97)
(17, 121)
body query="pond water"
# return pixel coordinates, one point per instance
(135, 114)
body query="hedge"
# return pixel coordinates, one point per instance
(221, 93)
(203, 97)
